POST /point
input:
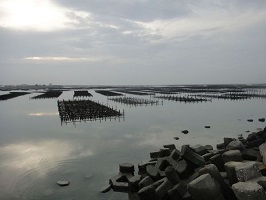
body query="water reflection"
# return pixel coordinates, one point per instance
(36, 151)
(43, 114)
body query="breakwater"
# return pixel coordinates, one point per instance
(235, 170)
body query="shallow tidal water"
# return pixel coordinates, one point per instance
(36, 150)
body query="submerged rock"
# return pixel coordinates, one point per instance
(176, 138)
(185, 131)
(63, 183)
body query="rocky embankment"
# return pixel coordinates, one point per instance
(235, 170)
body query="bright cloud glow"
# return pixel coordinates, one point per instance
(36, 15)
(69, 59)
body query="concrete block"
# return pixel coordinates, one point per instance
(262, 168)
(204, 188)
(145, 182)
(221, 151)
(172, 175)
(147, 193)
(199, 149)
(232, 155)
(155, 154)
(207, 156)
(251, 137)
(142, 166)
(105, 188)
(249, 191)
(255, 143)
(220, 146)
(227, 141)
(262, 149)
(195, 174)
(235, 145)
(216, 175)
(126, 168)
(182, 168)
(165, 152)
(170, 146)
(230, 170)
(251, 154)
(177, 192)
(247, 171)
(163, 188)
(153, 172)
(175, 154)
(261, 181)
(193, 157)
(218, 161)
(119, 182)
(187, 196)
(208, 147)
(134, 183)
(163, 163)
(214, 152)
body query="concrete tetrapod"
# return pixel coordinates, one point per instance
(204, 188)
(249, 191)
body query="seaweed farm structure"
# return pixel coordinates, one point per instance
(86, 110)
(82, 93)
(12, 95)
(185, 99)
(141, 93)
(132, 101)
(233, 96)
(108, 93)
(48, 95)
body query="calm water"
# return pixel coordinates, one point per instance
(36, 150)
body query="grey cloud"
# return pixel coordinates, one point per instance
(136, 50)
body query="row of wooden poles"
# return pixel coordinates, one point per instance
(134, 101)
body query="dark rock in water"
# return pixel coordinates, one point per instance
(105, 188)
(262, 119)
(176, 138)
(63, 183)
(247, 131)
(207, 126)
(185, 131)
(250, 120)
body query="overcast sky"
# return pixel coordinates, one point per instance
(120, 42)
